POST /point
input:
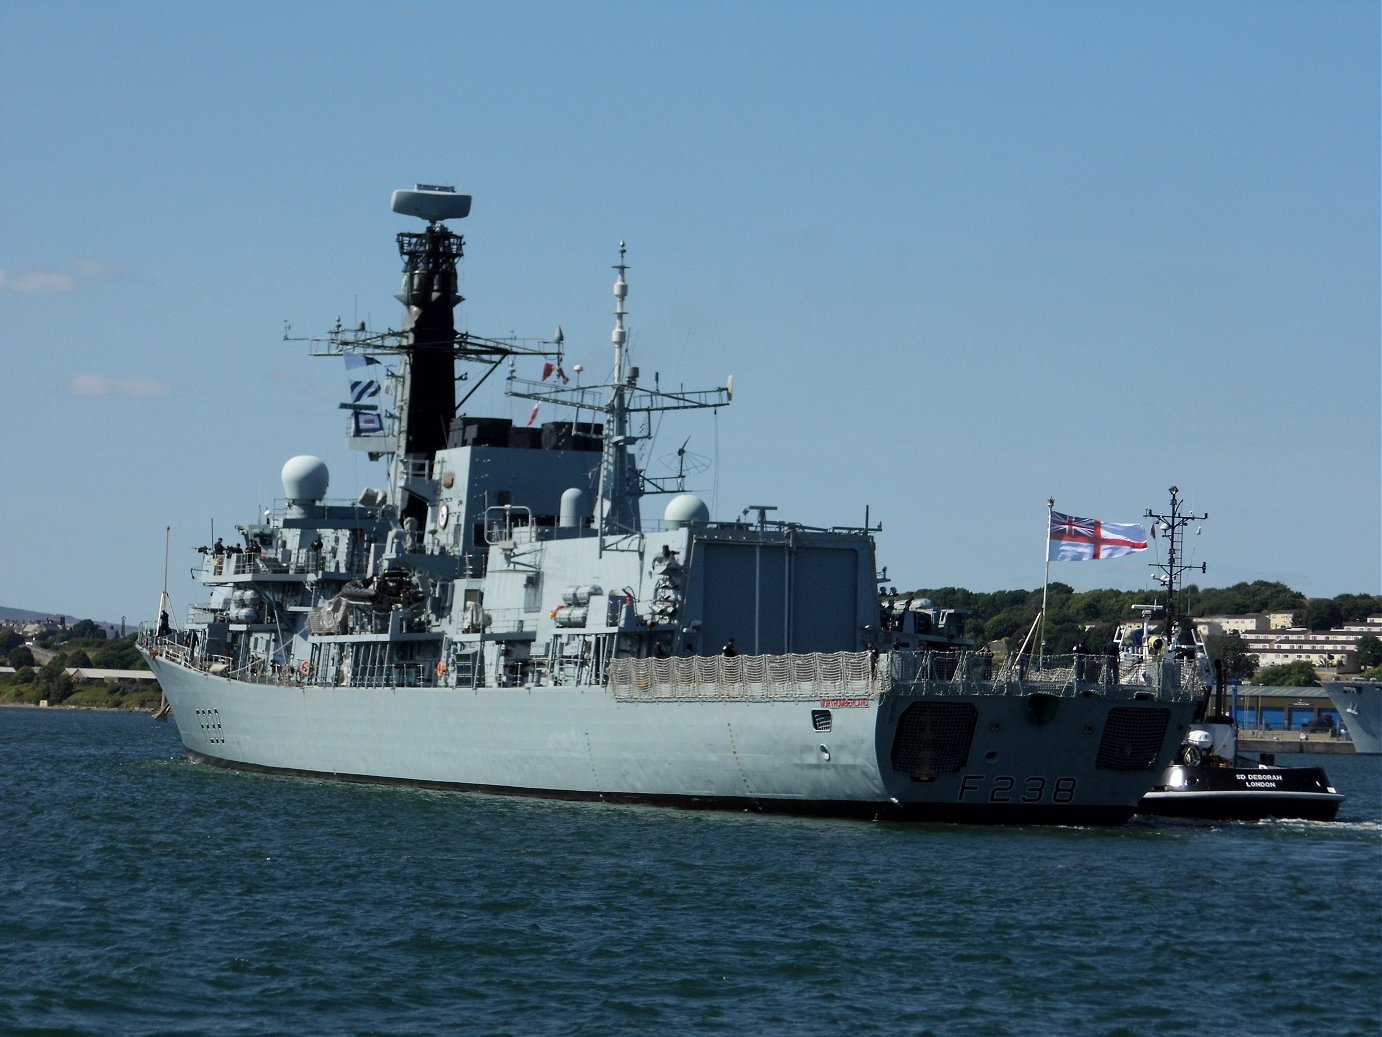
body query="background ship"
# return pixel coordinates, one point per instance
(501, 618)
(1360, 711)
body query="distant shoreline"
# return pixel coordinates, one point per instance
(62, 707)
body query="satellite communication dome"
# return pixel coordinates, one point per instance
(305, 479)
(683, 510)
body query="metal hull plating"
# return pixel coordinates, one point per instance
(1360, 709)
(573, 742)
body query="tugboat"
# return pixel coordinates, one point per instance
(1210, 779)
(500, 618)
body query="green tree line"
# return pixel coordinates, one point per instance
(83, 645)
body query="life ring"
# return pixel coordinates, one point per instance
(305, 668)
(441, 668)
(1189, 755)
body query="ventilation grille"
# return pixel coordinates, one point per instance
(933, 738)
(1132, 739)
(820, 719)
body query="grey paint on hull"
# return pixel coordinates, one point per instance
(582, 743)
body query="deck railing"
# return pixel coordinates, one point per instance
(865, 675)
(854, 676)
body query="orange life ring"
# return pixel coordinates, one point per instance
(305, 667)
(441, 668)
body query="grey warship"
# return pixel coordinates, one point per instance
(499, 617)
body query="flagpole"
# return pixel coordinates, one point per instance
(1046, 583)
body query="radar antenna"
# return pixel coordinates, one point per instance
(683, 462)
(623, 399)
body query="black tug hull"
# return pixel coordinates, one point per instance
(1243, 794)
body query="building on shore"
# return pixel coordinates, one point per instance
(1274, 708)
(1270, 637)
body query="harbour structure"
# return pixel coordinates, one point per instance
(501, 618)
(1274, 709)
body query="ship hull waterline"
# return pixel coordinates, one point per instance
(580, 743)
(1242, 806)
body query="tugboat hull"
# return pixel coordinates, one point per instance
(1243, 794)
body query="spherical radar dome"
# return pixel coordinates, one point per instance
(683, 510)
(305, 479)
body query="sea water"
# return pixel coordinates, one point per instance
(141, 893)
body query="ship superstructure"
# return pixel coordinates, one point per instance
(501, 616)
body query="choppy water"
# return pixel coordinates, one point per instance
(143, 894)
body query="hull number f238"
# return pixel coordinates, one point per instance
(1007, 788)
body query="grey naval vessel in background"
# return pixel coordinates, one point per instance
(1359, 703)
(501, 618)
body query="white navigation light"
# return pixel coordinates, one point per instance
(432, 203)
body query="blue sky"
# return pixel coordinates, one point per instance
(958, 257)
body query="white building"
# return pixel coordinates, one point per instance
(1276, 644)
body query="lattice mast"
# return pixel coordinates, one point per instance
(622, 483)
(1172, 527)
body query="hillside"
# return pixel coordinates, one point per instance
(13, 616)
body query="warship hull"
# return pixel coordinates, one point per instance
(884, 755)
(1360, 710)
(499, 616)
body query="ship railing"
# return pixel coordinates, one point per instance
(352, 506)
(1179, 678)
(246, 563)
(418, 674)
(509, 621)
(173, 646)
(807, 676)
(384, 675)
(170, 646)
(1068, 675)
